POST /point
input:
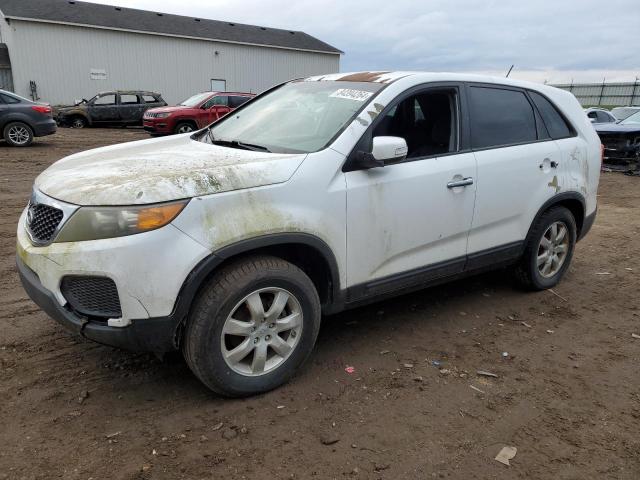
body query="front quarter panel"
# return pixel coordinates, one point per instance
(313, 201)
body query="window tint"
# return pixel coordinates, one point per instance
(8, 98)
(235, 102)
(603, 117)
(105, 100)
(149, 99)
(500, 117)
(128, 99)
(552, 119)
(427, 121)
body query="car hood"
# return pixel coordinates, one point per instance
(616, 128)
(160, 170)
(176, 108)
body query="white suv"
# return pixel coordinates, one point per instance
(319, 195)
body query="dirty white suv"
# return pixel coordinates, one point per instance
(319, 195)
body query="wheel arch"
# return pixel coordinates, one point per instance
(573, 201)
(306, 251)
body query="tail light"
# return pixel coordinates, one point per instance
(44, 109)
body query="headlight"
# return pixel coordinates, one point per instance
(162, 115)
(93, 223)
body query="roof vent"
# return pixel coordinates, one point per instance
(232, 24)
(72, 3)
(118, 8)
(160, 14)
(262, 28)
(197, 19)
(292, 33)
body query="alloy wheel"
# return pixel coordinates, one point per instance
(261, 331)
(19, 134)
(553, 249)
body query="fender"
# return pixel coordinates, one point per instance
(200, 272)
(559, 198)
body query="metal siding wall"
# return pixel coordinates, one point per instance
(58, 58)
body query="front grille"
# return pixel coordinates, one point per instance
(42, 221)
(92, 296)
(153, 115)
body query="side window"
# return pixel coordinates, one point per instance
(603, 117)
(220, 100)
(235, 102)
(128, 99)
(149, 99)
(8, 99)
(104, 100)
(427, 121)
(500, 117)
(557, 126)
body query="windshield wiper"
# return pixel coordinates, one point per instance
(237, 144)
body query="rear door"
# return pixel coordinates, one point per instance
(104, 109)
(131, 109)
(518, 170)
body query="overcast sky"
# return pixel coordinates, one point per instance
(553, 40)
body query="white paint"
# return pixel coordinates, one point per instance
(378, 222)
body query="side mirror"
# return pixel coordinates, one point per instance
(389, 148)
(385, 149)
(592, 120)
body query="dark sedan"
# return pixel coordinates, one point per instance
(21, 119)
(621, 141)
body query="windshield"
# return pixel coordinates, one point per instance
(633, 119)
(195, 100)
(298, 117)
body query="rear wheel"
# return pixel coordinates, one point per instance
(252, 326)
(548, 250)
(18, 134)
(184, 127)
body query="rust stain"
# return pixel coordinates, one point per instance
(362, 77)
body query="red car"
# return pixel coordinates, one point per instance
(194, 113)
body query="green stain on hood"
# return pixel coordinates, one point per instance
(160, 170)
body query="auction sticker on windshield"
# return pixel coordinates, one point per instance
(352, 94)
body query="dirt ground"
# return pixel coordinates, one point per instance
(566, 395)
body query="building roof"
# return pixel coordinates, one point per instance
(71, 12)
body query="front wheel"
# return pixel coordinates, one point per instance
(252, 326)
(548, 250)
(18, 134)
(78, 122)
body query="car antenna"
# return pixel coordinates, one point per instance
(507, 75)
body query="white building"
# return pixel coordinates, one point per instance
(61, 50)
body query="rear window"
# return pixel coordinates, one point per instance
(500, 117)
(149, 99)
(556, 125)
(8, 98)
(128, 99)
(236, 101)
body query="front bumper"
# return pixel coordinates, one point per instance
(149, 334)
(157, 127)
(148, 269)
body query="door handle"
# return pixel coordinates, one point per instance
(460, 183)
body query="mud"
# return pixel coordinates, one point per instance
(567, 400)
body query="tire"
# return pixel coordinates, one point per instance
(212, 352)
(18, 134)
(528, 272)
(183, 127)
(78, 122)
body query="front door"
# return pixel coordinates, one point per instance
(131, 109)
(408, 222)
(104, 109)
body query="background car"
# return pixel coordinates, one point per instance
(21, 119)
(623, 112)
(194, 113)
(621, 142)
(110, 108)
(600, 115)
